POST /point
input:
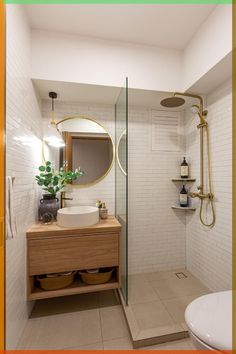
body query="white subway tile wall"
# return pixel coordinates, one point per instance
(105, 115)
(209, 251)
(157, 233)
(23, 155)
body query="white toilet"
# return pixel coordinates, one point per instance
(209, 320)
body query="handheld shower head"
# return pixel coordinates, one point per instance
(195, 109)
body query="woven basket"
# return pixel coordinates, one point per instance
(56, 281)
(96, 278)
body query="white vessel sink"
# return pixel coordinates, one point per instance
(77, 216)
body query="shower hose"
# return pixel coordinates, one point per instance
(209, 185)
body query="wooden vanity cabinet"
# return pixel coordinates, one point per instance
(52, 249)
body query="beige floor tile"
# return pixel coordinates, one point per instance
(118, 344)
(65, 304)
(113, 323)
(108, 298)
(141, 291)
(182, 344)
(138, 277)
(62, 331)
(171, 288)
(176, 307)
(151, 315)
(166, 274)
(94, 346)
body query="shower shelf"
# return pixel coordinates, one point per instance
(183, 179)
(183, 208)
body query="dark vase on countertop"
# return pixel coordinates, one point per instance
(48, 208)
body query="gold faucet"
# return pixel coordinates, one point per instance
(201, 195)
(63, 198)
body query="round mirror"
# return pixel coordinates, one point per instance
(87, 145)
(121, 152)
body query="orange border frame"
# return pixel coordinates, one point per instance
(2, 173)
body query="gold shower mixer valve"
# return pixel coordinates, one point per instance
(202, 195)
(203, 124)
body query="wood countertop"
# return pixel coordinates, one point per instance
(40, 230)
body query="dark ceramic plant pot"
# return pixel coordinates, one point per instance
(48, 207)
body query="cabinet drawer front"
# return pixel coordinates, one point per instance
(54, 255)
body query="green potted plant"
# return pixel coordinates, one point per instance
(53, 181)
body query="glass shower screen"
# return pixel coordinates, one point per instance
(121, 133)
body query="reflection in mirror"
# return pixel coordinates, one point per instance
(121, 152)
(88, 146)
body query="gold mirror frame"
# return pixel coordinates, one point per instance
(113, 150)
(117, 153)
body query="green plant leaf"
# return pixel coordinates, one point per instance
(51, 190)
(40, 183)
(46, 183)
(53, 181)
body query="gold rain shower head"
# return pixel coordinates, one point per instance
(172, 102)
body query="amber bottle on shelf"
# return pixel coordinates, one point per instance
(183, 197)
(184, 169)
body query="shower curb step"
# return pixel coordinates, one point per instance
(143, 338)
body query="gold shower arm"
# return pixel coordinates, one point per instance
(193, 96)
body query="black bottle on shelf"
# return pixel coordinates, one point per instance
(183, 197)
(184, 169)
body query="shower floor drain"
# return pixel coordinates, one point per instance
(181, 275)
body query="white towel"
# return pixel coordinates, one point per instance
(11, 229)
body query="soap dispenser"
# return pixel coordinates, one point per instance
(103, 212)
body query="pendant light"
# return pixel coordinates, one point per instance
(52, 135)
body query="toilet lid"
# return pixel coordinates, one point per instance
(209, 317)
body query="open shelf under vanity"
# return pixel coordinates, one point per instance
(77, 287)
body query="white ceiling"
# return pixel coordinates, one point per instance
(96, 94)
(214, 77)
(76, 92)
(169, 26)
